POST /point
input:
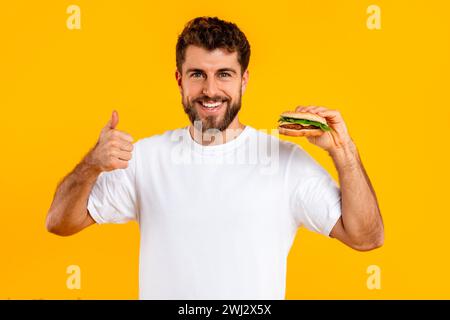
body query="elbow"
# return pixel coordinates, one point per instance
(52, 227)
(369, 245)
(55, 228)
(369, 239)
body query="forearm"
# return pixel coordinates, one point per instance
(361, 216)
(68, 212)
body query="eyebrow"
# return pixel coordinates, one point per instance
(220, 70)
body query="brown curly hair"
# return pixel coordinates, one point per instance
(213, 33)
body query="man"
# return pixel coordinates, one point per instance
(212, 228)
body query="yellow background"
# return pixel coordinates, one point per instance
(58, 87)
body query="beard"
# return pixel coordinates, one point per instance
(213, 122)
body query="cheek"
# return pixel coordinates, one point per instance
(232, 90)
(191, 91)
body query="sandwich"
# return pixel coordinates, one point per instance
(298, 124)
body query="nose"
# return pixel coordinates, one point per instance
(210, 87)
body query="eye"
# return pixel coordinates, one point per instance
(196, 74)
(224, 75)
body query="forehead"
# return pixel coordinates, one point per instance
(200, 58)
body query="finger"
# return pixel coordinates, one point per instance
(121, 155)
(119, 164)
(317, 109)
(303, 108)
(109, 124)
(300, 108)
(121, 135)
(126, 146)
(121, 144)
(329, 113)
(114, 120)
(309, 108)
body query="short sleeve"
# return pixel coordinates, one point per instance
(113, 196)
(315, 196)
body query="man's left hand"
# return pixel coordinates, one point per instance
(335, 139)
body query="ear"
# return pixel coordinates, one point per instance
(245, 78)
(178, 78)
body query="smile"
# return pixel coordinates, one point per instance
(211, 107)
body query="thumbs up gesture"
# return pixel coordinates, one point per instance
(113, 148)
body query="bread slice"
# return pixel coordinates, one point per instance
(300, 132)
(304, 115)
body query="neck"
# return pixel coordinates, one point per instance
(216, 137)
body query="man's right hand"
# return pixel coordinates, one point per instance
(113, 148)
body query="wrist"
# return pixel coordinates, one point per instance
(88, 167)
(345, 155)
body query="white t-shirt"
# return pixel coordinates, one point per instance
(216, 222)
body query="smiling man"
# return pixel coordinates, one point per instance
(212, 58)
(213, 227)
(218, 104)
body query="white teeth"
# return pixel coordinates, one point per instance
(211, 105)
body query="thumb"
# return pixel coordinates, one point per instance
(112, 123)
